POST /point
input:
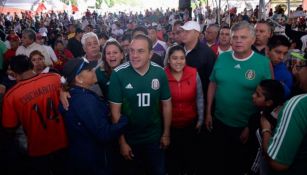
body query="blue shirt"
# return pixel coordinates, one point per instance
(282, 74)
(89, 132)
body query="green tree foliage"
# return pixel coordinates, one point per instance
(98, 3)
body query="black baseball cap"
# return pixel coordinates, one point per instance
(75, 66)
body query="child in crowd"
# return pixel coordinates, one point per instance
(268, 97)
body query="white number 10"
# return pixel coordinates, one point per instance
(143, 99)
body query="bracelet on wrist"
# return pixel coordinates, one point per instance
(266, 130)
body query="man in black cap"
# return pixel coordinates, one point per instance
(75, 45)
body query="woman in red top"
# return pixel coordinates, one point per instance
(187, 112)
(14, 43)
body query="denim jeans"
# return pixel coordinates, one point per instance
(148, 159)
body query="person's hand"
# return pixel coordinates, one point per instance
(64, 96)
(2, 89)
(126, 151)
(198, 127)
(208, 122)
(244, 135)
(164, 142)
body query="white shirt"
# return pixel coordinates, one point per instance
(51, 53)
(22, 50)
(43, 30)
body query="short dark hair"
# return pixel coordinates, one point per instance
(225, 27)
(173, 49)
(20, 64)
(278, 40)
(90, 26)
(140, 29)
(178, 22)
(58, 41)
(152, 28)
(30, 33)
(144, 37)
(273, 90)
(267, 24)
(126, 37)
(103, 35)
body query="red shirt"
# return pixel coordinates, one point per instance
(33, 103)
(9, 54)
(59, 65)
(184, 108)
(215, 49)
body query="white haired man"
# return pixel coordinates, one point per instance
(233, 80)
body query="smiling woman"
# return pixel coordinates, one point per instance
(187, 112)
(113, 56)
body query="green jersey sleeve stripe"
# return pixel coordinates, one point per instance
(280, 133)
(166, 99)
(122, 66)
(114, 102)
(283, 126)
(276, 139)
(155, 64)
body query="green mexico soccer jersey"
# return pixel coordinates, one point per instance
(236, 81)
(288, 145)
(140, 96)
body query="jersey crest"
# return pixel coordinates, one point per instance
(250, 74)
(155, 84)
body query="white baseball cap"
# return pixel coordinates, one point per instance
(191, 25)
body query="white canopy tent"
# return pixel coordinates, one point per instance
(33, 4)
(252, 3)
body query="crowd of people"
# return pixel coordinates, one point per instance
(155, 93)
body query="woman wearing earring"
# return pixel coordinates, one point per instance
(187, 113)
(87, 122)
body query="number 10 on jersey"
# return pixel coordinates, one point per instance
(143, 99)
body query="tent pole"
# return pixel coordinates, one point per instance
(219, 12)
(288, 8)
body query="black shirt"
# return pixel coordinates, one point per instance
(202, 58)
(75, 47)
(261, 52)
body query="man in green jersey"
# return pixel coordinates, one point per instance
(233, 80)
(139, 89)
(286, 146)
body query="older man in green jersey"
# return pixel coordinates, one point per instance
(233, 80)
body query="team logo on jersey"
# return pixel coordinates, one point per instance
(237, 66)
(250, 74)
(129, 86)
(155, 84)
